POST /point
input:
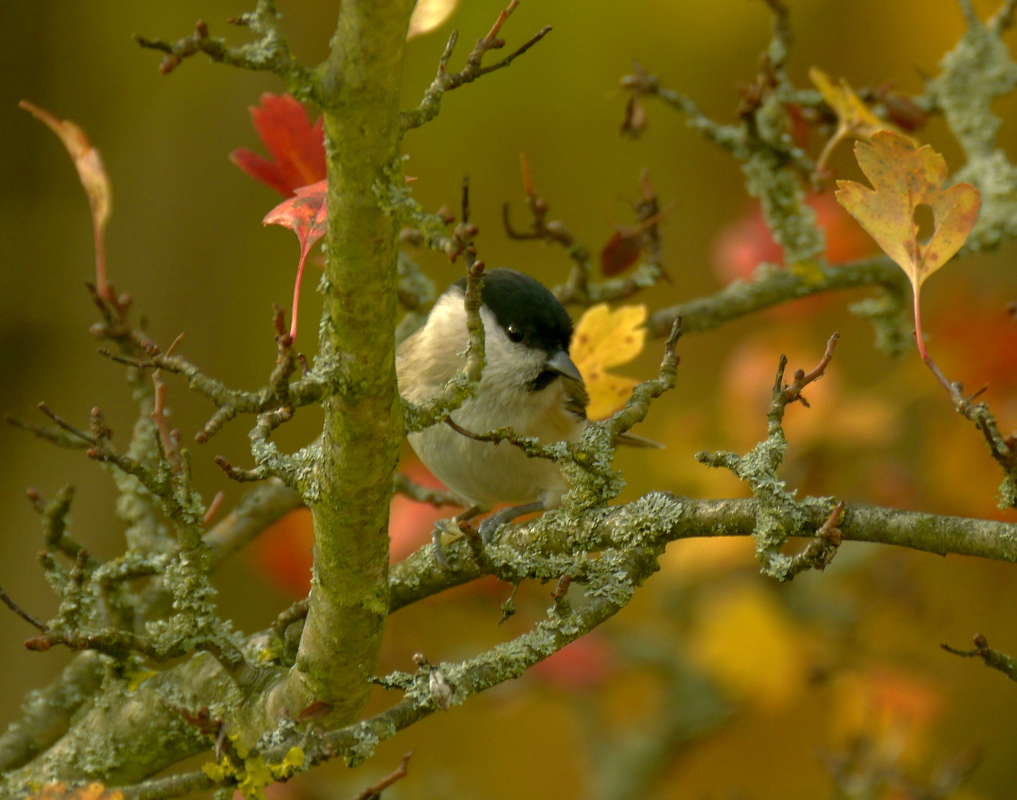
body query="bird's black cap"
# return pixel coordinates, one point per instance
(523, 303)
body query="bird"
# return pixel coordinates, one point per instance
(529, 383)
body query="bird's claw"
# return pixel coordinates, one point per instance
(488, 528)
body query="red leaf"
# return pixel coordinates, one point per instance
(306, 214)
(621, 251)
(584, 664)
(297, 147)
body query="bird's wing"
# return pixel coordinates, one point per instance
(576, 398)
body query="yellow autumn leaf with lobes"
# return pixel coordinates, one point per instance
(904, 177)
(603, 339)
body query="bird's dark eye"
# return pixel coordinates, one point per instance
(514, 333)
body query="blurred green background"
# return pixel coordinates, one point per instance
(787, 676)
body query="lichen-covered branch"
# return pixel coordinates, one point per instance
(279, 393)
(773, 286)
(628, 537)
(47, 712)
(782, 515)
(352, 482)
(269, 52)
(773, 165)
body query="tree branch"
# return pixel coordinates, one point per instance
(363, 432)
(270, 52)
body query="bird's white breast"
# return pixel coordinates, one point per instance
(484, 473)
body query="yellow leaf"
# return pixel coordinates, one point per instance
(428, 15)
(905, 176)
(604, 339)
(748, 643)
(854, 119)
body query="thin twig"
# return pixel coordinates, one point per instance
(444, 81)
(992, 658)
(33, 621)
(374, 792)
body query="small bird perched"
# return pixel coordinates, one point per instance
(529, 384)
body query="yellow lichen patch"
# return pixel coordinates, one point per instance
(253, 774)
(605, 339)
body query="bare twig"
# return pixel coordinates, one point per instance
(578, 289)
(527, 444)
(231, 402)
(63, 425)
(803, 379)
(213, 508)
(33, 621)
(992, 658)
(59, 437)
(444, 81)
(374, 792)
(642, 84)
(1003, 448)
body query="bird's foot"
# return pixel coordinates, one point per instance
(449, 530)
(490, 525)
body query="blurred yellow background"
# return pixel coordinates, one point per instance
(787, 678)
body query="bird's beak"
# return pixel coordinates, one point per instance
(562, 364)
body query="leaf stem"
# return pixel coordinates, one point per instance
(918, 329)
(296, 292)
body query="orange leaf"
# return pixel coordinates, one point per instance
(297, 147)
(905, 176)
(61, 791)
(93, 177)
(306, 214)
